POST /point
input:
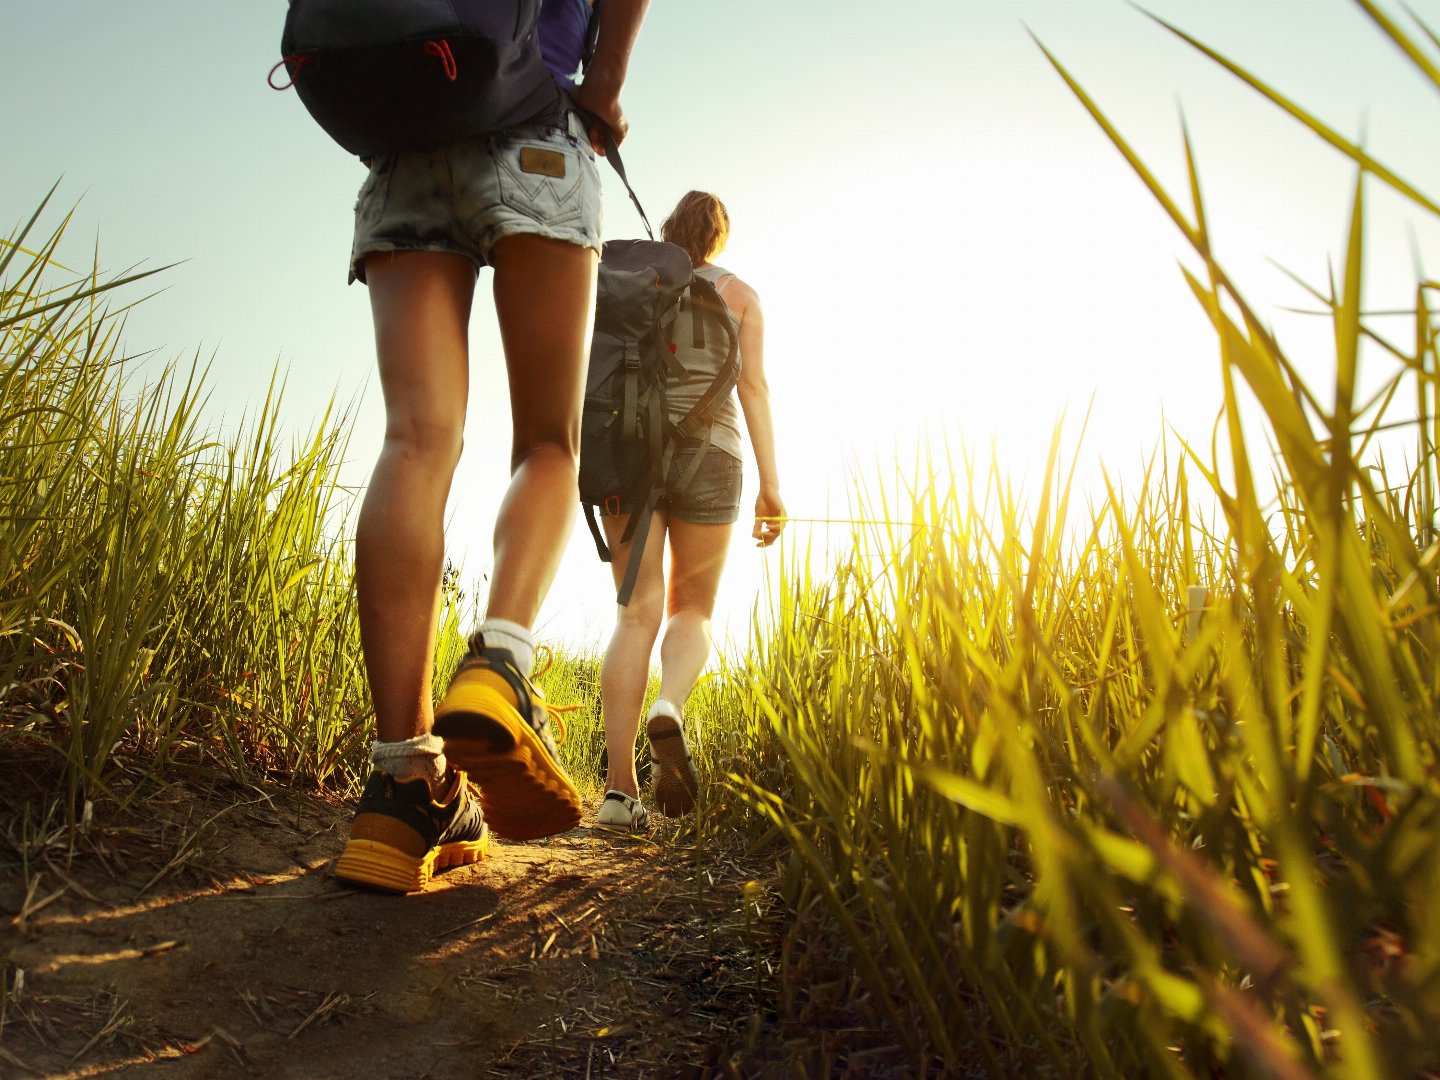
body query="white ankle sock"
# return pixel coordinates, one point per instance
(504, 634)
(420, 758)
(663, 706)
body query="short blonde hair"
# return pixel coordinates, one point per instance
(700, 224)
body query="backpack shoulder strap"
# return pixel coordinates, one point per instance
(601, 548)
(706, 301)
(592, 34)
(612, 155)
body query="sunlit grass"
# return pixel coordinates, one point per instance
(1148, 788)
(166, 601)
(1144, 786)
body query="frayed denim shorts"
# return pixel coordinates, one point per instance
(713, 495)
(535, 178)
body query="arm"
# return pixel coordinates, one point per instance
(599, 93)
(754, 393)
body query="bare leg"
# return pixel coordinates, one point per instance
(545, 301)
(493, 724)
(697, 558)
(421, 306)
(626, 667)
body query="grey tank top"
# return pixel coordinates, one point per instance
(684, 393)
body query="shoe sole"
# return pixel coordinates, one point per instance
(632, 831)
(675, 781)
(524, 792)
(629, 828)
(376, 865)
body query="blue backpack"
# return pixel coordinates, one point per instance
(382, 76)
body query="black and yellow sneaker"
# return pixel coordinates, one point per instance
(496, 726)
(402, 835)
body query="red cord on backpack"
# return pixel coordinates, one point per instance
(441, 49)
(299, 63)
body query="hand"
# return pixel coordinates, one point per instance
(599, 97)
(769, 518)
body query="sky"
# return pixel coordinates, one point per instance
(948, 250)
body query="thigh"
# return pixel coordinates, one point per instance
(649, 595)
(421, 305)
(545, 303)
(697, 559)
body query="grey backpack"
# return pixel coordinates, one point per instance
(627, 439)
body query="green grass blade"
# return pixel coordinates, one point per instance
(1364, 160)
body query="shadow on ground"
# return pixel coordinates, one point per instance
(202, 935)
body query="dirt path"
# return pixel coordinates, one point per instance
(203, 936)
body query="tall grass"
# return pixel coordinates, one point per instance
(1143, 788)
(161, 593)
(172, 599)
(1130, 791)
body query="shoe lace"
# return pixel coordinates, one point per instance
(544, 658)
(556, 714)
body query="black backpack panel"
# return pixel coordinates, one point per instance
(382, 76)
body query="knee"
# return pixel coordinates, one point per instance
(558, 450)
(432, 441)
(642, 617)
(688, 607)
(690, 623)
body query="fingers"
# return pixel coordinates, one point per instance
(766, 531)
(601, 108)
(619, 127)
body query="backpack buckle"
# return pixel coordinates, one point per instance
(612, 505)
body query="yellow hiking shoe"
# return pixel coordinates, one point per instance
(496, 726)
(402, 835)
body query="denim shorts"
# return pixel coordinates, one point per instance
(536, 178)
(713, 495)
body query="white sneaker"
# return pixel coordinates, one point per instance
(620, 811)
(676, 782)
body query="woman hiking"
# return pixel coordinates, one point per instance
(697, 522)
(527, 203)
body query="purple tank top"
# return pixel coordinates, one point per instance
(562, 29)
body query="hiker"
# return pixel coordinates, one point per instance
(697, 522)
(527, 203)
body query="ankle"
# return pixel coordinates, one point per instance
(512, 637)
(448, 787)
(630, 788)
(418, 758)
(663, 706)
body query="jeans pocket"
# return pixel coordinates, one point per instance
(543, 178)
(730, 483)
